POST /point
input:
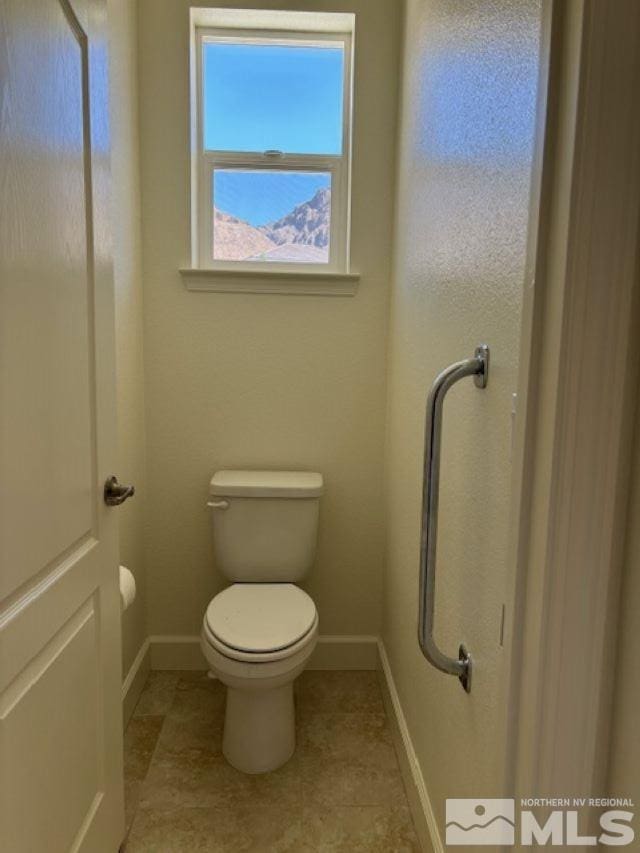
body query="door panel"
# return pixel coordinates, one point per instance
(47, 303)
(35, 618)
(36, 717)
(60, 717)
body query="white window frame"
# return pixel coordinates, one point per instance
(206, 161)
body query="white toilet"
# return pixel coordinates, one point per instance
(259, 633)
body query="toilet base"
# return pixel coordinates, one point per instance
(259, 728)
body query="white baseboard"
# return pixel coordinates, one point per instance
(417, 794)
(332, 652)
(135, 681)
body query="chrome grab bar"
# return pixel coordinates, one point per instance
(478, 367)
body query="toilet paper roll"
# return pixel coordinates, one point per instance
(127, 588)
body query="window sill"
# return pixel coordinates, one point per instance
(268, 281)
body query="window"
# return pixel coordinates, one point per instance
(272, 135)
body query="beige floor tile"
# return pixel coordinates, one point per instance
(204, 734)
(195, 719)
(202, 778)
(344, 783)
(140, 740)
(348, 760)
(157, 695)
(339, 692)
(132, 791)
(199, 680)
(197, 697)
(363, 738)
(198, 830)
(342, 790)
(360, 830)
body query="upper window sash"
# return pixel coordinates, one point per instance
(274, 38)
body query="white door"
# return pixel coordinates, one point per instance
(60, 717)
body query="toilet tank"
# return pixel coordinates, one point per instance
(265, 524)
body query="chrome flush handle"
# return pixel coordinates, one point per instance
(218, 504)
(116, 493)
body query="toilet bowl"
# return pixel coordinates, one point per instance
(259, 727)
(259, 632)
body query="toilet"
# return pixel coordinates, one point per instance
(259, 632)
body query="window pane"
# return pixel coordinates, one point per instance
(278, 216)
(259, 97)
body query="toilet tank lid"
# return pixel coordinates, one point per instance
(267, 484)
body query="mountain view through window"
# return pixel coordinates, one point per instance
(271, 216)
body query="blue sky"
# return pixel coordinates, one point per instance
(263, 197)
(260, 97)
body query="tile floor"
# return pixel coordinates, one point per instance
(340, 793)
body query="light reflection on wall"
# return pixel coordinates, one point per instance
(473, 90)
(479, 107)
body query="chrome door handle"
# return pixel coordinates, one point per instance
(115, 493)
(478, 367)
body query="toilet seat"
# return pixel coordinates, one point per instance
(260, 622)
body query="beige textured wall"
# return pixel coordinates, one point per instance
(128, 291)
(255, 381)
(466, 139)
(624, 770)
